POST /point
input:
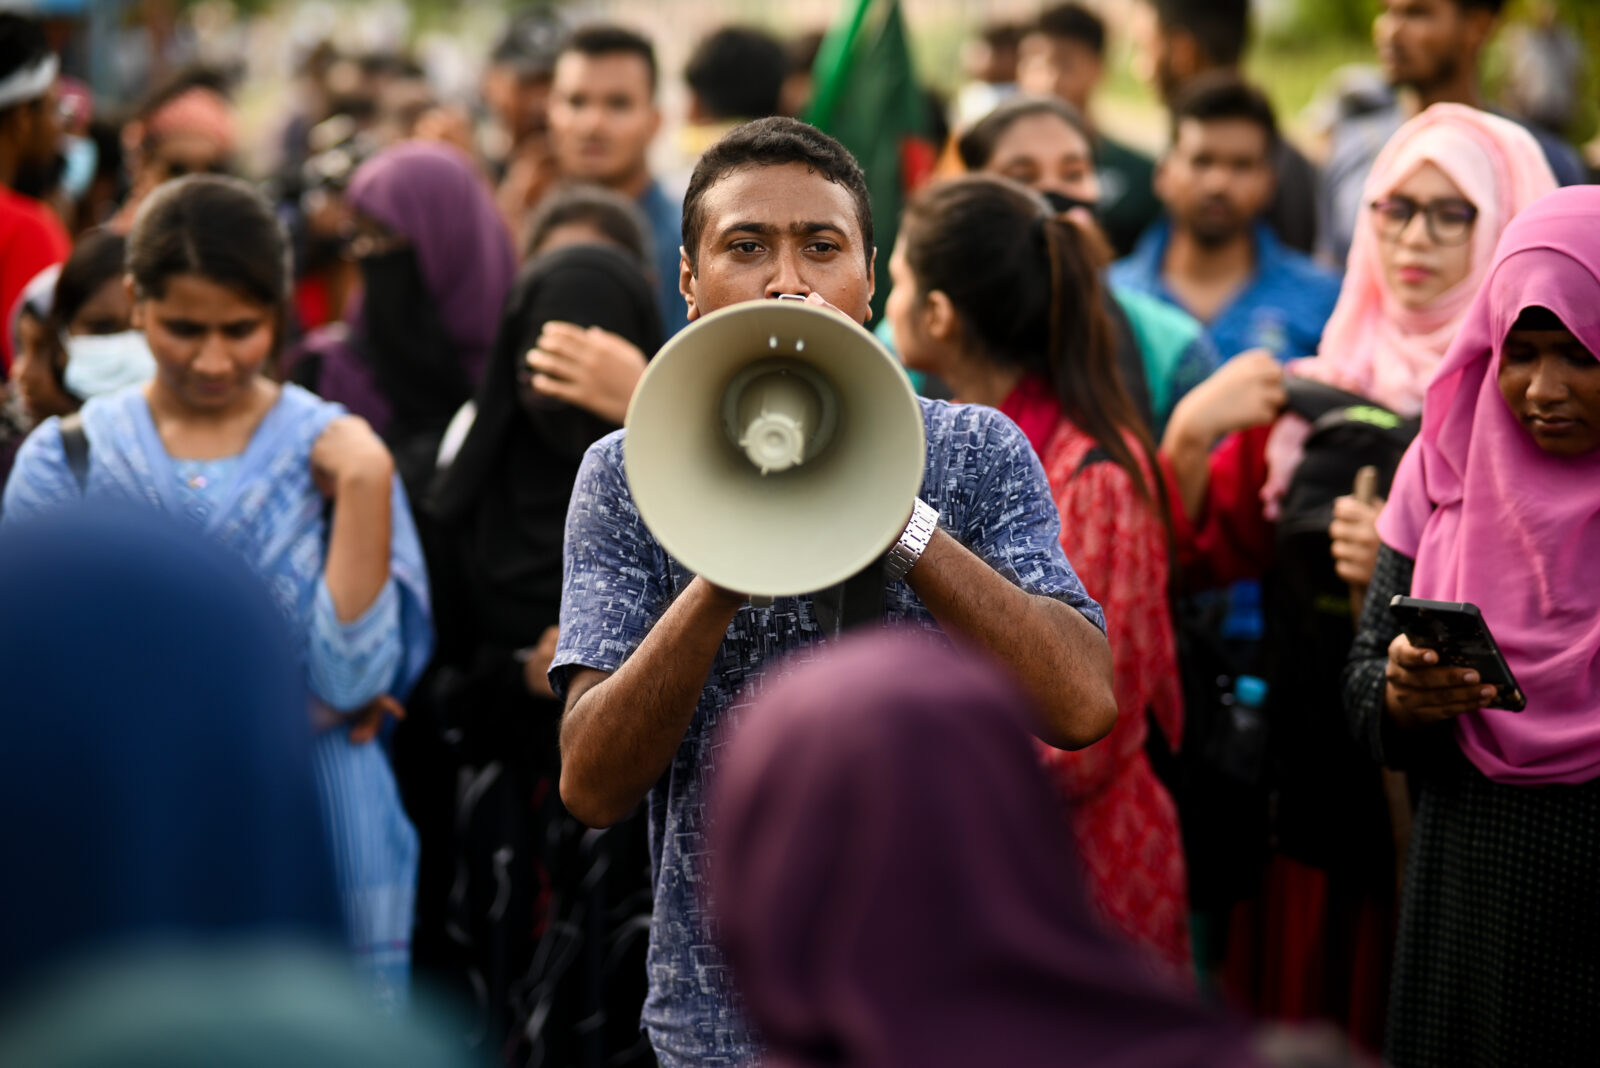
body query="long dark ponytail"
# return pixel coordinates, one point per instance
(1026, 287)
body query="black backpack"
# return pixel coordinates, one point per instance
(1287, 776)
(1329, 807)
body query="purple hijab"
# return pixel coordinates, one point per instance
(1491, 518)
(431, 194)
(895, 882)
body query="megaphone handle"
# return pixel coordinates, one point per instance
(759, 601)
(857, 601)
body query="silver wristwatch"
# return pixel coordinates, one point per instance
(905, 553)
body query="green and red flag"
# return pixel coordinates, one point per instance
(866, 95)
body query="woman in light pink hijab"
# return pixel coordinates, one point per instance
(1497, 503)
(1406, 287)
(1387, 335)
(1439, 195)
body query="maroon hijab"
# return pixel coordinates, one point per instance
(895, 885)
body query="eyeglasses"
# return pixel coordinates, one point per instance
(182, 169)
(1449, 221)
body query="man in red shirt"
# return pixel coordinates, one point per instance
(31, 237)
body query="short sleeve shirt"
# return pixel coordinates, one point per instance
(991, 493)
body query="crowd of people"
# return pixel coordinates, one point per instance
(340, 657)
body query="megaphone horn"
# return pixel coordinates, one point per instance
(774, 448)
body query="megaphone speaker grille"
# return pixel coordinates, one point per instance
(807, 523)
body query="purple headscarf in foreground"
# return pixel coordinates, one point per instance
(895, 883)
(1493, 519)
(431, 194)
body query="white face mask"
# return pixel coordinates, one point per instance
(82, 156)
(104, 363)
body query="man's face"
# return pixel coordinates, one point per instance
(46, 141)
(519, 100)
(1422, 43)
(34, 130)
(602, 118)
(1153, 60)
(1216, 179)
(32, 134)
(1058, 66)
(780, 228)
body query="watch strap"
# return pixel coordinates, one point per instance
(905, 552)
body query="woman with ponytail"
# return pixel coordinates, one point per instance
(1001, 299)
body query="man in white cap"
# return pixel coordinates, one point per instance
(31, 237)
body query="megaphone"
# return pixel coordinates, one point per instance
(774, 448)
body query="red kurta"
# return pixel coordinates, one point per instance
(1125, 822)
(31, 239)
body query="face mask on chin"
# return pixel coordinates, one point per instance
(79, 157)
(104, 363)
(1061, 203)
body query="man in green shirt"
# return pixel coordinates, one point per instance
(1063, 55)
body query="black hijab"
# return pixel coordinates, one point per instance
(504, 499)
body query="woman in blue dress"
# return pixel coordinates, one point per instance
(303, 491)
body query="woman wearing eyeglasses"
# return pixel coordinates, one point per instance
(1438, 198)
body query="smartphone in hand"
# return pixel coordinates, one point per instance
(1456, 631)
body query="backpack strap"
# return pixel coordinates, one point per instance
(1311, 399)
(75, 443)
(1096, 455)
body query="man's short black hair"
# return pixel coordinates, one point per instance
(738, 73)
(1219, 95)
(1074, 22)
(608, 39)
(210, 79)
(1493, 7)
(1220, 27)
(22, 45)
(770, 142)
(531, 42)
(1004, 36)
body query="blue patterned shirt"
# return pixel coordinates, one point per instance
(991, 493)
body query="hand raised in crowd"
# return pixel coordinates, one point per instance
(1354, 531)
(448, 124)
(591, 368)
(1245, 392)
(530, 174)
(369, 719)
(1419, 692)
(349, 453)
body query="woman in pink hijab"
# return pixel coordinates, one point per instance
(1439, 196)
(1498, 503)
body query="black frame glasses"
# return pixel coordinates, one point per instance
(1448, 220)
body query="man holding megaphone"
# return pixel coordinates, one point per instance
(778, 480)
